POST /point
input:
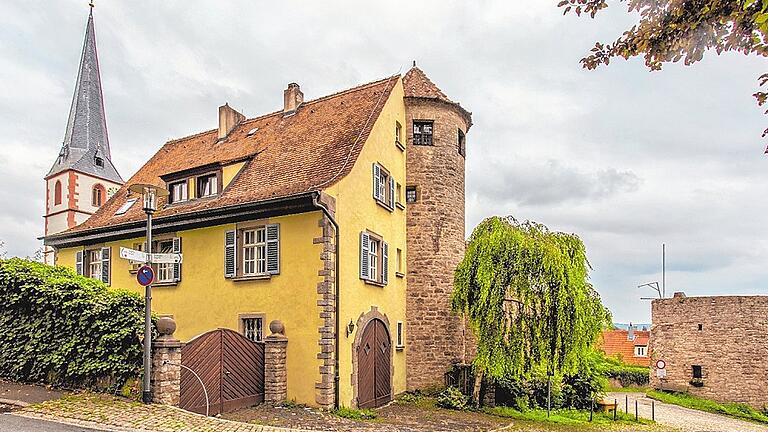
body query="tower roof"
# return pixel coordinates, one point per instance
(86, 142)
(416, 84)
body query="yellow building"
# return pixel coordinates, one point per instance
(298, 217)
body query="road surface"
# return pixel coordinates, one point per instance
(685, 419)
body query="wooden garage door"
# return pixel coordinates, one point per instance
(374, 366)
(230, 366)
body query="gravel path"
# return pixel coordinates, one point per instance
(685, 419)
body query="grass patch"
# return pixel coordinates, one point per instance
(566, 417)
(736, 410)
(355, 414)
(630, 389)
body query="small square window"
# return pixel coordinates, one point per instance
(253, 328)
(701, 327)
(410, 194)
(99, 162)
(641, 351)
(422, 133)
(696, 369)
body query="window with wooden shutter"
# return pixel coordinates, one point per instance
(365, 241)
(391, 193)
(177, 266)
(105, 264)
(79, 262)
(230, 254)
(273, 249)
(383, 187)
(384, 263)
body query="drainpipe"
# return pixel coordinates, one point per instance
(336, 277)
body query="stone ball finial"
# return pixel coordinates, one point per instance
(166, 326)
(277, 327)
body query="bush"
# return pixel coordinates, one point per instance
(627, 375)
(67, 330)
(452, 398)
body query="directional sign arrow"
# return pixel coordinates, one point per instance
(166, 258)
(133, 255)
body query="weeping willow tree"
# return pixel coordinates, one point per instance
(525, 293)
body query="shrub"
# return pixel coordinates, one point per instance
(452, 398)
(64, 329)
(627, 375)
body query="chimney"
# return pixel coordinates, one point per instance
(631, 332)
(228, 119)
(292, 98)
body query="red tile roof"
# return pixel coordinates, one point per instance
(614, 342)
(310, 150)
(416, 84)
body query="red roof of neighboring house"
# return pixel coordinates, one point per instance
(616, 343)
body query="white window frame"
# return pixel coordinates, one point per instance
(164, 271)
(641, 351)
(254, 251)
(94, 263)
(255, 334)
(400, 336)
(212, 185)
(179, 191)
(373, 258)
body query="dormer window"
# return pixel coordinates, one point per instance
(178, 191)
(98, 161)
(207, 185)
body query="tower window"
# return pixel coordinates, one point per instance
(422, 133)
(462, 143)
(410, 194)
(97, 195)
(57, 193)
(99, 162)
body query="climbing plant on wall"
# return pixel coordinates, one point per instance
(525, 292)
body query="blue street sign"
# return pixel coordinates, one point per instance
(145, 275)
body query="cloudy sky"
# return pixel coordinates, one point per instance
(626, 158)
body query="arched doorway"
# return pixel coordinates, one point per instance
(374, 366)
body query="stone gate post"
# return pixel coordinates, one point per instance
(275, 355)
(165, 377)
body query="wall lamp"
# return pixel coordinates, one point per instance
(350, 328)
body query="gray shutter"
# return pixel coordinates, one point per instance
(79, 262)
(105, 264)
(176, 267)
(376, 181)
(230, 253)
(391, 192)
(273, 248)
(365, 241)
(384, 262)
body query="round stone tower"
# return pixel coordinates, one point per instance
(436, 129)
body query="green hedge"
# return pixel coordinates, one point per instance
(628, 375)
(67, 330)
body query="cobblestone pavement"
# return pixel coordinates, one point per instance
(684, 419)
(98, 411)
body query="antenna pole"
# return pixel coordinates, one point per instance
(663, 270)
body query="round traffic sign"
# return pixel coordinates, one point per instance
(661, 364)
(145, 275)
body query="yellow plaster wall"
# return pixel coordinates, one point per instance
(356, 211)
(205, 300)
(228, 172)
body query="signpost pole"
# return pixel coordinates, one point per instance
(147, 394)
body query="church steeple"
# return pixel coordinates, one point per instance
(86, 142)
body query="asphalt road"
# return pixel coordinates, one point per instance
(14, 423)
(684, 419)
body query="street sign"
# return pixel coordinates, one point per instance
(166, 258)
(661, 373)
(133, 255)
(661, 364)
(145, 275)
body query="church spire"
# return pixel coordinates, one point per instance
(86, 142)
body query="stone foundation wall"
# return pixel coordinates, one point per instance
(726, 336)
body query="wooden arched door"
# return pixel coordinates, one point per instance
(374, 366)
